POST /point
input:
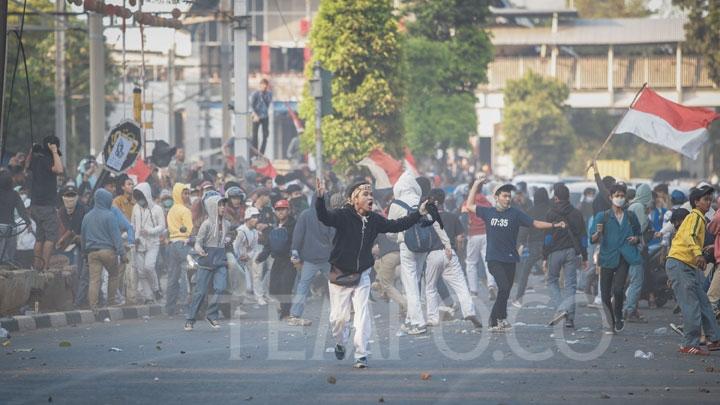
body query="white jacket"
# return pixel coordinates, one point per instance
(408, 191)
(150, 219)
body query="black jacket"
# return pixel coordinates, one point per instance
(355, 235)
(570, 237)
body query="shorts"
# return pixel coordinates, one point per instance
(47, 222)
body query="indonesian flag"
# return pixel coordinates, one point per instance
(299, 127)
(662, 122)
(383, 168)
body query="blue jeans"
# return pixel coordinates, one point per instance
(636, 274)
(177, 281)
(8, 243)
(584, 276)
(302, 285)
(687, 284)
(205, 278)
(568, 260)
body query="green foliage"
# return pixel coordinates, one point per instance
(611, 8)
(40, 52)
(703, 32)
(445, 58)
(537, 134)
(357, 40)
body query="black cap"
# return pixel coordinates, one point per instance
(505, 188)
(69, 189)
(293, 188)
(699, 193)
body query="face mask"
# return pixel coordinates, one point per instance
(168, 203)
(590, 198)
(618, 202)
(142, 203)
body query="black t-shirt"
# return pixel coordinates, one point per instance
(43, 190)
(453, 228)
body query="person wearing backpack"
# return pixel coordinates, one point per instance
(351, 260)
(618, 232)
(503, 224)
(415, 244)
(563, 253)
(278, 244)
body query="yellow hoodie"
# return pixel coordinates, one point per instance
(689, 239)
(179, 216)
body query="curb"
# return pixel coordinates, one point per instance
(22, 323)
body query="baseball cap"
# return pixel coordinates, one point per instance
(293, 188)
(69, 189)
(700, 192)
(251, 212)
(206, 184)
(282, 204)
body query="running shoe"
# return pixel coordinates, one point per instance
(619, 325)
(698, 351)
(497, 329)
(505, 324)
(517, 304)
(295, 321)
(476, 322)
(416, 330)
(361, 363)
(189, 326)
(213, 323)
(339, 352)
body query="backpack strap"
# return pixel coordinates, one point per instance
(402, 204)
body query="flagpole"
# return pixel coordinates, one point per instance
(607, 140)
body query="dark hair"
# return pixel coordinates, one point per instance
(505, 188)
(264, 81)
(561, 191)
(678, 215)
(608, 181)
(589, 190)
(51, 140)
(425, 185)
(617, 187)
(698, 193)
(438, 195)
(662, 188)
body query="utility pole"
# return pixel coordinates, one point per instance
(60, 117)
(240, 39)
(3, 66)
(170, 98)
(316, 88)
(97, 83)
(225, 83)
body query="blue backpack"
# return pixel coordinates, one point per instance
(421, 237)
(279, 239)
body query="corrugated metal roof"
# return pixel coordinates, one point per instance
(621, 31)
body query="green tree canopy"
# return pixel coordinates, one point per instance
(703, 32)
(611, 8)
(356, 40)
(537, 134)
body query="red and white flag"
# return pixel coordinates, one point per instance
(383, 167)
(663, 122)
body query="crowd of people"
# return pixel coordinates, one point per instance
(194, 241)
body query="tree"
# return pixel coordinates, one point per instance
(611, 8)
(537, 134)
(703, 32)
(40, 53)
(446, 53)
(356, 40)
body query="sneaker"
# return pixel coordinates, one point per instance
(594, 305)
(361, 363)
(213, 323)
(339, 352)
(189, 326)
(517, 304)
(497, 329)
(609, 331)
(416, 330)
(505, 324)
(239, 313)
(295, 321)
(699, 351)
(635, 317)
(677, 329)
(476, 322)
(262, 302)
(493, 293)
(569, 323)
(619, 325)
(558, 317)
(713, 346)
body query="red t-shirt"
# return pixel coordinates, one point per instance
(477, 225)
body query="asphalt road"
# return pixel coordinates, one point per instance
(259, 361)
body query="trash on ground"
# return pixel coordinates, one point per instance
(585, 329)
(331, 380)
(65, 343)
(115, 349)
(107, 320)
(572, 342)
(661, 331)
(425, 376)
(330, 350)
(639, 354)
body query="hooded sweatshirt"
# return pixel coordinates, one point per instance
(100, 228)
(571, 237)
(212, 232)
(640, 204)
(408, 191)
(150, 219)
(179, 216)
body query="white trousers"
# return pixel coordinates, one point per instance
(451, 272)
(342, 301)
(411, 265)
(147, 281)
(256, 272)
(476, 251)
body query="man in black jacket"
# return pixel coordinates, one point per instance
(563, 252)
(278, 244)
(351, 259)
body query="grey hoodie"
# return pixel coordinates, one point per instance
(311, 239)
(100, 228)
(210, 235)
(642, 201)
